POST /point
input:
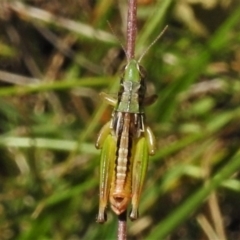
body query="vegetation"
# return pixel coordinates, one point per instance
(55, 58)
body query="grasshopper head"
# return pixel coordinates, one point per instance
(133, 77)
(132, 72)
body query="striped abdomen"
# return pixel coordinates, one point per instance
(120, 192)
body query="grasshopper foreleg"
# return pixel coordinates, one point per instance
(108, 99)
(104, 132)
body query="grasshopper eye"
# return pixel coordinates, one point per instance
(123, 69)
(142, 72)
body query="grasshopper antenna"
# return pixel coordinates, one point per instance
(118, 39)
(152, 43)
(131, 30)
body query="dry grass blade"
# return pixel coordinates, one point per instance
(17, 79)
(77, 27)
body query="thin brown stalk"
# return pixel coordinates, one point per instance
(130, 52)
(122, 226)
(131, 28)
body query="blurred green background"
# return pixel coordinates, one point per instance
(55, 58)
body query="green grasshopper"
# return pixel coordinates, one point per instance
(126, 143)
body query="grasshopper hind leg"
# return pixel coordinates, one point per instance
(145, 146)
(106, 173)
(140, 162)
(102, 215)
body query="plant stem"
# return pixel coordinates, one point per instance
(122, 226)
(131, 40)
(131, 28)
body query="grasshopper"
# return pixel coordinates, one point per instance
(126, 143)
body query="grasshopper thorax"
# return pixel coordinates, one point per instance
(132, 91)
